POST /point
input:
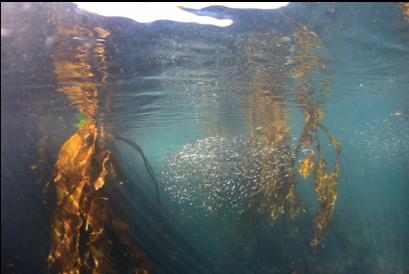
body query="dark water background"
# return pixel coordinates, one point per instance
(177, 83)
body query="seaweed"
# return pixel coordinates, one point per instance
(86, 231)
(267, 120)
(83, 217)
(326, 185)
(296, 59)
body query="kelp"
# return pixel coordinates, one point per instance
(326, 190)
(83, 217)
(307, 165)
(87, 233)
(326, 185)
(267, 119)
(293, 61)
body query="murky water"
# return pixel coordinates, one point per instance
(278, 144)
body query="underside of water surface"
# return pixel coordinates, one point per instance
(256, 141)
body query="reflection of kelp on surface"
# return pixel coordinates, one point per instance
(72, 59)
(86, 231)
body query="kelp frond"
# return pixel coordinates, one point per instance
(80, 239)
(277, 174)
(307, 165)
(326, 190)
(87, 233)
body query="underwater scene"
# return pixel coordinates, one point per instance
(240, 140)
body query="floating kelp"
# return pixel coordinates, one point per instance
(87, 233)
(326, 185)
(307, 165)
(326, 190)
(296, 64)
(267, 108)
(83, 218)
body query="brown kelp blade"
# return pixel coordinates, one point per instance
(81, 238)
